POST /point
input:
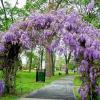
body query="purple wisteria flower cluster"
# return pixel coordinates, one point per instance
(2, 87)
(90, 6)
(2, 48)
(84, 67)
(98, 90)
(83, 90)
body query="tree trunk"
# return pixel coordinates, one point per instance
(10, 68)
(30, 62)
(10, 78)
(30, 65)
(41, 58)
(53, 62)
(48, 64)
(66, 62)
(67, 59)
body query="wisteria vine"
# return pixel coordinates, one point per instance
(53, 28)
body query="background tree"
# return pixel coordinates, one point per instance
(67, 59)
(33, 59)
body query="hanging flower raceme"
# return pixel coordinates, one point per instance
(9, 37)
(88, 43)
(47, 33)
(91, 53)
(25, 41)
(41, 21)
(2, 48)
(18, 33)
(78, 51)
(94, 73)
(2, 87)
(21, 25)
(83, 91)
(55, 44)
(92, 77)
(60, 50)
(98, 90)
(82, 40)
(84, 67)
(70, 40)
(90, 6)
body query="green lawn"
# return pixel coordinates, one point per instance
(25, 83)
(77, 81)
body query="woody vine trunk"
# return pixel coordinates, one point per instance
(10, 67)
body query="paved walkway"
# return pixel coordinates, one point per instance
(59, 90)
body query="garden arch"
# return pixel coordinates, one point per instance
(48, 30)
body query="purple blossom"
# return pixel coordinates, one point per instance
(92, 76)
(49, 49)
(83, 90)
(84, 66)
(2, 48)
(81, 69)
(18, 33)
(88, 42)
(40, 23)
(18, 25)
(72, 17)
(91, 53)
(55, 44)
(2, 86)
(61, 51)
(9, 37)
(90, 6)
(98, 90)
(82, 37)
(25, 41)
(47, 33)
(33, 32)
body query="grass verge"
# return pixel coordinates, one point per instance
(77, 83)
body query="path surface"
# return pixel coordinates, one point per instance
(59, 90)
